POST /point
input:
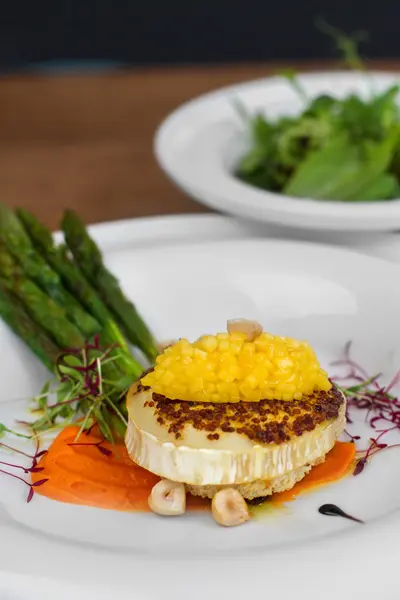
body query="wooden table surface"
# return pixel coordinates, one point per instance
(85, 141)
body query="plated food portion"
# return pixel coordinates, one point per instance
(238, 415)
(229, 445)
(223, 422)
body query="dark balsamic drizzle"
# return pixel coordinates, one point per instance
(331, 510)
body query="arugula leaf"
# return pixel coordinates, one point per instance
(346, 171)
(260, 166)
(321, 105)
(303, 136)
(323, 171)
(386, 107)
(262, 132)
(384, 186)
(336, 149)
(369, 119)
(372, 169)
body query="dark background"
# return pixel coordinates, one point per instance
(162, 31)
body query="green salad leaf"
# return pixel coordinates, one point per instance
(344, 149)
(344, 170)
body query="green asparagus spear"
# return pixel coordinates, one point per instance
(19, 245)
(72, 277)
(42, 309)
(14, 314)
(76, 283)
(52, 318)
(89, 259)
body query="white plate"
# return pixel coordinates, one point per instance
(198, 145)
(316, 292)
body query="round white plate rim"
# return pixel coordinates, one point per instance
(139, 231)
(385, 525)
(172, 229)
(222, 191)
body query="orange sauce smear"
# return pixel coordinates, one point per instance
(336, 465)
(81, 474)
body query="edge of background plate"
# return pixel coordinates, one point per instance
(172, 229)
(268, 80)
(140, 232)
(309, 213)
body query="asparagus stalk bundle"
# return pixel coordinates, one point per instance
(90, 261)
(72, 278)
(41, 308)
(13, 313)
(51, 320)
(66, 310)
(37, 269)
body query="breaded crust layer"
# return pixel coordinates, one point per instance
(265, 422)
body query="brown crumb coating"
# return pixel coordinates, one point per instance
(265, 422)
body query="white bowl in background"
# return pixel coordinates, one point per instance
(200, 142)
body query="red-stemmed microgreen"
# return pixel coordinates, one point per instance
(24, 469)
(352, 438)
(30, 485)
(104, 451)
(92, 386)
(33, 468)
(17, 451)
(92, 382)
(381, 405)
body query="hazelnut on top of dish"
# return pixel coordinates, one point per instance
(244, 411)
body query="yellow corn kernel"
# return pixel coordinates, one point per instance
(292, 344)
(259, 374)
(167, 378)
(185, 360)
(196, 385)
(261, 344)
(222, 336)
(227, 368)
(236, 336)
(176, 391)
(236, 346)
(210, 377)
(208, 343)
(185, 348)
(224, 346)
(284, 363)
(225, 375)
(251, 381)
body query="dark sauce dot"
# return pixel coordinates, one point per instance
(331, 510)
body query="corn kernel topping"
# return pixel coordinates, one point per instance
(228, 368)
